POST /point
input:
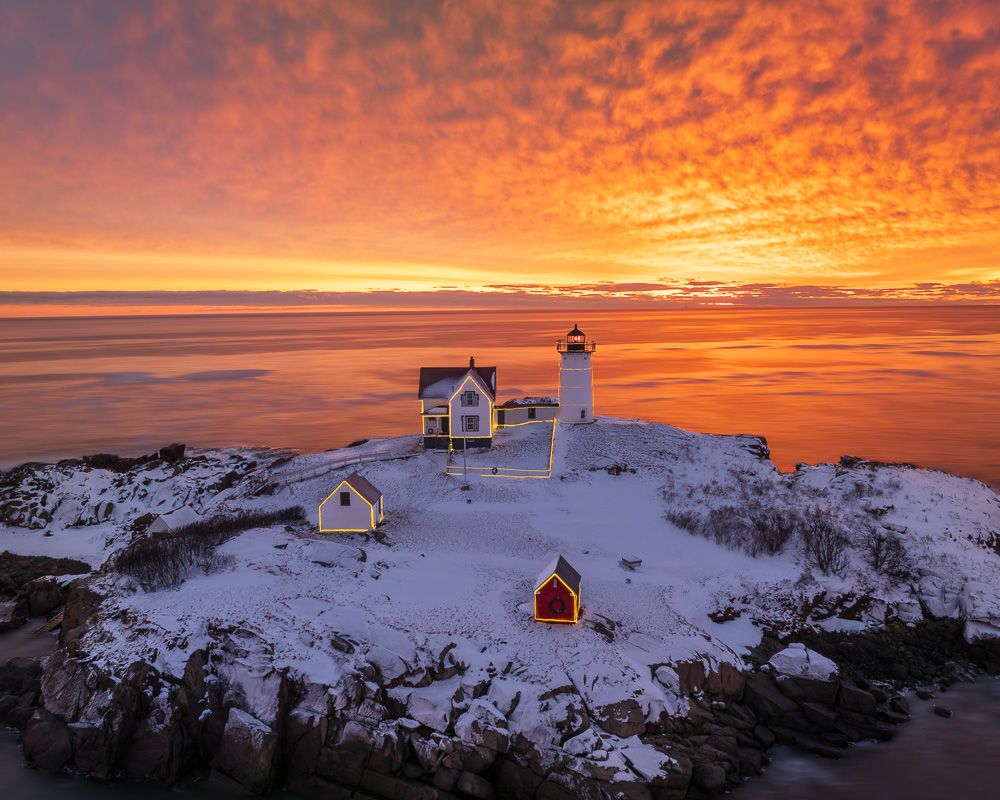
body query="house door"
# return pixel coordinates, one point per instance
(444, 425)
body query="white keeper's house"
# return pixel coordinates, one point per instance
(456, 406)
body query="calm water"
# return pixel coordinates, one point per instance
(930, 758)
(903, 384)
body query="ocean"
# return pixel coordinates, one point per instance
(910, 384)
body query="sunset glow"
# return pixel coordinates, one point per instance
(709, 151)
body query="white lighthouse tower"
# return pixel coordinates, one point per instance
(576, 385)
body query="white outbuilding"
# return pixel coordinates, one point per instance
(178, 518)
(355, 505)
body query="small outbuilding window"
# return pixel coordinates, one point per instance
(583, 413)
(470, 399)
(345, 498)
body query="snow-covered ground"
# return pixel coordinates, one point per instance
(450, 578)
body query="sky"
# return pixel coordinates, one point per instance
(403, 152)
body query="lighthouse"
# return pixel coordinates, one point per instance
(576, 385)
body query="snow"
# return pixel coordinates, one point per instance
(447, 582)
(798, 661)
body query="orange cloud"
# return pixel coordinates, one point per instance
(345, 146)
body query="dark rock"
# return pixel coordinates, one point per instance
(764, 735)
(305, 733)
(923, 694)
(81, 605)
(899, 672)
(248, 751)
(64, 688)
(342, 766)
(624, 718)
(391, 786)
(101, 750)
(751, 761)
(944, 712)
(795, 720)
(808, 689)
(47, 741)
(474, 786)
(764, 698)
(708, 777)
(21, 675)
(513, 779)
(821, 716)
(156, 749)
(44, 595)
(17, 570)
(172, 452)
(855, 699)
(112, 463)
(900, 705)
(13, 615)
(783, 735)
(7, 704)
(727, 683)
(691, 675)
(446, 778)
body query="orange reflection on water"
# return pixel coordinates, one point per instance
(912, 384)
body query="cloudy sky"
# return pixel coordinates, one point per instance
(750, 151)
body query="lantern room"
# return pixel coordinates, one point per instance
(557, 593)
(575, 339)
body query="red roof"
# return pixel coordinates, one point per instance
(364, 487)
(432, 375)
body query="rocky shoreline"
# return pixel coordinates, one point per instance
(340, 671)
(358, 740)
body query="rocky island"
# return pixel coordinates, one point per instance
(726, 606)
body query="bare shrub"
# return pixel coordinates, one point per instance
(824, 543)
(689, 521)
(727, 526)
(165, 559)
(771, 530)
(884, 552)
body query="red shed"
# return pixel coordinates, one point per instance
(557, 593)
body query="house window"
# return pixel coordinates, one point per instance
(471, 424)
(345, 498)
(470, 399)
(583, 413)
(531, 413)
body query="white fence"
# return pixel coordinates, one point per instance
(315, 471)
(258, 480)
(498, 472)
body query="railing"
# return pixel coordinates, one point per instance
(497, 472)
(564, 346)
(307, 473)
(456, 470)
(256, 481)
